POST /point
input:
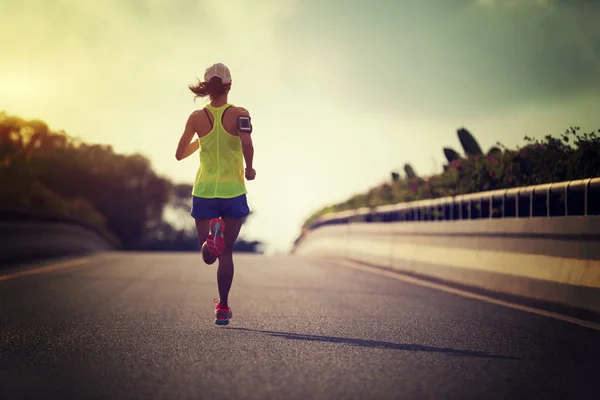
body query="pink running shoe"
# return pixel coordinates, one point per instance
(206, 256)
(215, 240)
(222, 313)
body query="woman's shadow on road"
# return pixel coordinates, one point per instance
(377, 344)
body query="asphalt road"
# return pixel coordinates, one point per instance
(141, 326)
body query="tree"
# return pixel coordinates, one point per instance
(468, 143)
(54, 173)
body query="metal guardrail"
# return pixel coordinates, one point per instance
(571, 198)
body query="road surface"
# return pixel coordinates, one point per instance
(141, 326)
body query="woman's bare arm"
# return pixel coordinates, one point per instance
(247, 147)
(191, 149)
(186, 147)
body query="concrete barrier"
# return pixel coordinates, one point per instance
(555, 260)
(33, 238)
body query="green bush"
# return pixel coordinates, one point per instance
(572, 156)
(53, 173)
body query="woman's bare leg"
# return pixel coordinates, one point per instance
(225, 270)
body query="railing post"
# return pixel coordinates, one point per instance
(548, 201)
(585, 197)
(445, 214)
(443, 209)
(567, 198)
(469, 210)
(531, 203)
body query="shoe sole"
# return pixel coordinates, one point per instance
(212, 259)
(217, 228)
(223, 321)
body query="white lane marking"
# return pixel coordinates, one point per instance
(464, 293)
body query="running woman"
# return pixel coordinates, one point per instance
(219, 203)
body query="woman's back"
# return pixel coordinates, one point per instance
(221, 170)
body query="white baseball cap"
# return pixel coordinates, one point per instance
(219, 70)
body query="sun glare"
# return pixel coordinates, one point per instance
(15, 87)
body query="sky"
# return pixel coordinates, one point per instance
(341, 92)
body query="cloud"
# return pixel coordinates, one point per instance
(422, 56)
(434, 58)
(514, 3)
(362, 81)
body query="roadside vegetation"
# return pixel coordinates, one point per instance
(51, 173)
(570, 156)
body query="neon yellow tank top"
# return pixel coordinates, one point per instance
(221, 171)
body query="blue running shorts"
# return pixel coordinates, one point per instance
(236, 207)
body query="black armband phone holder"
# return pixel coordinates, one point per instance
(244, 124)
